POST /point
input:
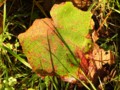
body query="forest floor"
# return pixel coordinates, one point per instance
(16, 16)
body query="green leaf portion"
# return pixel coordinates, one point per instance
(73, 24)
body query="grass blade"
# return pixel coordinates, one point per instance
(16, 56)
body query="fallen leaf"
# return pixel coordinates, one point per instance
(58, 46)
(51, 45)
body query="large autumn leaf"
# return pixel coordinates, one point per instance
(56, 46)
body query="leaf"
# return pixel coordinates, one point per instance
(53, 46)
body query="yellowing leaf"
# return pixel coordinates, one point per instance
(56, 46)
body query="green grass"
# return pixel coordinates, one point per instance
(15, 71)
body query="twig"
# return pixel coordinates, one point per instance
(104, 21)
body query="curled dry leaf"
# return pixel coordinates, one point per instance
(83, 4)
(99, 57)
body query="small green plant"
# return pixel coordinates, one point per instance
(10, 83)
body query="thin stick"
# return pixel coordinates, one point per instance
(104, 21)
